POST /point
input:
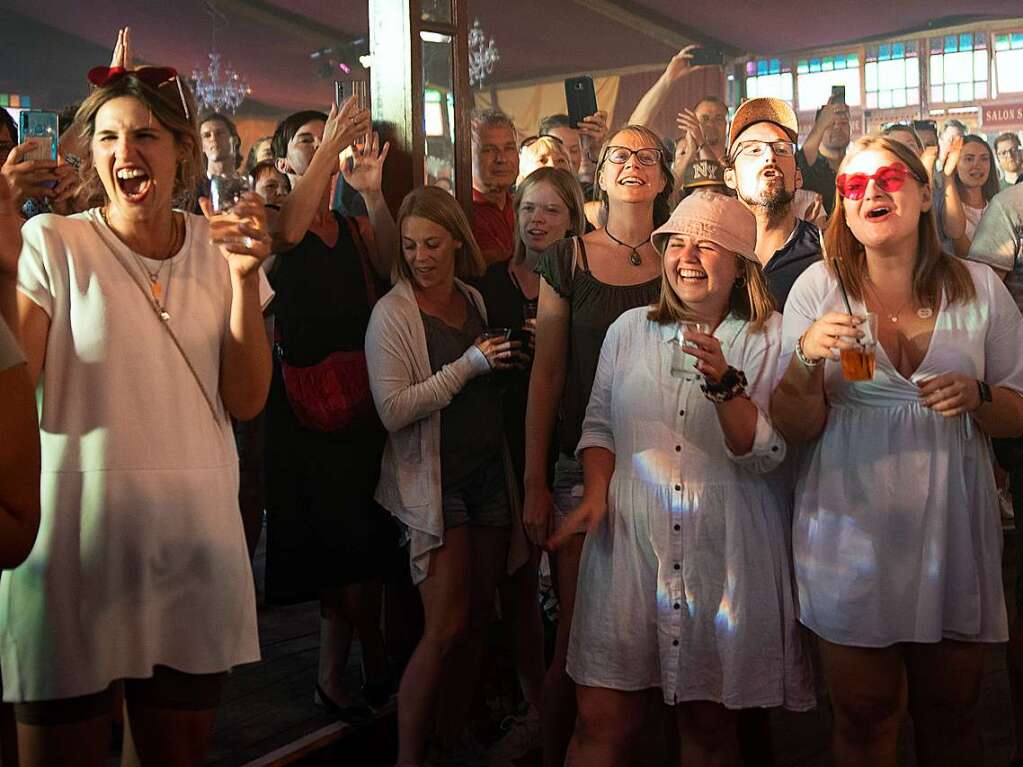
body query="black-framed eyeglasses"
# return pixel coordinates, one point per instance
(756, 148)
(530, 140)
(619, 155)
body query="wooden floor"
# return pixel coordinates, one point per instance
(269, 706)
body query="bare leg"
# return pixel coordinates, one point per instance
(335, 643)
(522, 614)
(171, 738)
(559, 698)
(944, 687)
(708, 735)
(83, 744)
(362, 606)
(446, 597)
(489, 555)
(868, 694)
(608, 723)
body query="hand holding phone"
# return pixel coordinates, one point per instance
(42, 130)
(837, 94)
(699, 57)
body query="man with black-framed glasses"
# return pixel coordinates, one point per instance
(762, 169)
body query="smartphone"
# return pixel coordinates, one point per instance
(703, 56)
(43, 129)
(521, 335)
(837, 94)
(581, 99)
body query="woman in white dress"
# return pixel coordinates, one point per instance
(143, 325)
(684, 582)
(897, 536)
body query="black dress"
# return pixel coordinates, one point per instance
(324, 529)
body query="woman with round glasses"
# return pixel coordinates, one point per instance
(897, 534)
(587, 283)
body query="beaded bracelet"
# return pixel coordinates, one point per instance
(803, 358)
(731, 385)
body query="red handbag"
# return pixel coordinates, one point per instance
(332, 395)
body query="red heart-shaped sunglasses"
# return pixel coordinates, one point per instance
(889, 178)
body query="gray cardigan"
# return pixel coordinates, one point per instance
(409, 397)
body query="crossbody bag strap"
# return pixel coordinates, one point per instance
(361, 246)
(162, 318)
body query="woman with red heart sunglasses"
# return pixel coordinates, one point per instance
(897, 533)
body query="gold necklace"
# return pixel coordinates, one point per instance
(892, 318)
(156, 289)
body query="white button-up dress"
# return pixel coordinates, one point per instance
(897, 535)
(686, 586)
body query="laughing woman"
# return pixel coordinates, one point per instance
(143, 325)
(684, 577)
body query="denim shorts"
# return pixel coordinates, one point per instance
(481, 499)
(567, 492)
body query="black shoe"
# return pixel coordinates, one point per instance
(353, 713)
(379, 694)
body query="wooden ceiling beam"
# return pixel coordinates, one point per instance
(655, 26)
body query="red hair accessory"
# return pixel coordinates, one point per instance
(154, 77)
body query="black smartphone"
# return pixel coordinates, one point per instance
(339, 93)
(521, 335)
(581, 99)
(837, 94)
(703, 56)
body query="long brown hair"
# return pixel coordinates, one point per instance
(436, 205)
(165, 104)
(991, 185)
(662, 206)
(568, 189)
(933, 270)
(749, 300)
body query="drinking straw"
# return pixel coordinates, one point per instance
(841, 287)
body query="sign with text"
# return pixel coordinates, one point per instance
(1001, 115)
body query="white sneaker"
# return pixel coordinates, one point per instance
(522, 735)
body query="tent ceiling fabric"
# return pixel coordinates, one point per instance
(269, 41)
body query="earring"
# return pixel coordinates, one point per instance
(740, 282)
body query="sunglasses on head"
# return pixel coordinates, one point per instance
(889, 178)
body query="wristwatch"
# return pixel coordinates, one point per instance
(985, 392)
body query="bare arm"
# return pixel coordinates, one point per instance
(363, 171)
(598, 468)
(546, 386)
(19, 467)
(10, 250)
(653, 100)
(300, 207)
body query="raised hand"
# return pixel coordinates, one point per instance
(362, 166)
(692, 131)
(952, 158)
(592, 132)
(122, 50)
(679, 64)
(344, 125)
(29, 178)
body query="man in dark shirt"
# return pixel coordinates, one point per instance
(762, 170)
(824, 150)
(495, 166)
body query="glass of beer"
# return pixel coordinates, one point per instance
(858, 362)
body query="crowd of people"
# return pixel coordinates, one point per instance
(746, 398)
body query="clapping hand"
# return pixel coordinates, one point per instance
(692, 132)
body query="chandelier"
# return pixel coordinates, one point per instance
(482, 54)
(218, 88)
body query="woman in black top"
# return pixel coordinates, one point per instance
(587, 283)
(548, 207)
(326, 537)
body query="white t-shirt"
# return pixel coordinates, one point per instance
(141, 558)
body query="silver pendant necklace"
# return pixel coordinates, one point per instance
(634, 258)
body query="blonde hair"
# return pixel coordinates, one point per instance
(567, 188)
(933, 269)
(165, 104)
(529, 155)
(436, 205)
(750, 299)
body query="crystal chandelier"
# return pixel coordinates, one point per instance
(218, 88)
(482, 55)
